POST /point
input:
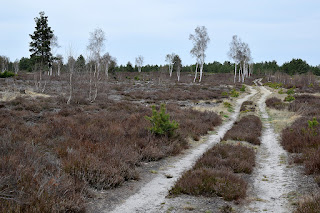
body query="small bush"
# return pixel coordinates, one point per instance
(6, 74)
(137, 78)
(227, 104)
(275, 103)
(226, 94)
(161, 124)
(280, 91)
(274, 85)
(243, 88)
(234, 93)
(289, 98)
(290, 91)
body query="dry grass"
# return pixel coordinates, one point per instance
(248, 128)
(309, 205)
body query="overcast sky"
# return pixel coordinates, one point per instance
(274, 29)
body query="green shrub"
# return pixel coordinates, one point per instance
(137, 78)
(225, 94)
(161, 124)
(311, 125)
(243, 88)
(6, 74)
(289, 98)
(227, 104)
(234, 93)
(274, 85)
(280, 91)
(290, 91)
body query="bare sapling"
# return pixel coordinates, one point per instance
(139, 62)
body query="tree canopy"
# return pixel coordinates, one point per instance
(40, 46)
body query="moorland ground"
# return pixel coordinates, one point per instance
(56, 156)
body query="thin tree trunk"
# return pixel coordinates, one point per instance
(70, 86)
(195, 77)
(235, 72)
(201, 70)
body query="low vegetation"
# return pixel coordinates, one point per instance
(214, 173)
(52, 153)
(248, 128)
(275, 103)
(303, 137)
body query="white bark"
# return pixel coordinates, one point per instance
(196, 71)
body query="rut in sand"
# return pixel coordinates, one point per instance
(273, 180)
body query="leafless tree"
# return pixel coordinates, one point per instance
(139, 62)
(4, 63)
(16, 66)
(241, 55)
(177, 65)
(59, 62)
(95, 47)
(200, 42)
(105, 61)
(54, 46)
(71, 65)
(169, 60)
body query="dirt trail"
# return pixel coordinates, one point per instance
(273, 180)
(151, 196)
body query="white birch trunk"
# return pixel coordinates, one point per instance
(235, 72)
(70, 86)
(201, 71)
(195, 77)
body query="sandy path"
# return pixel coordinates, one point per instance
(151, 196)
(272, 179)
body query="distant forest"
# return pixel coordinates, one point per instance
(295, 66)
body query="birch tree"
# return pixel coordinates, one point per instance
(170, 61)
(200, 40)
(139, 62)
(106, 60)
(16, 66)
(71, 65)
(177, 66)
(241, 55)
(95, 47)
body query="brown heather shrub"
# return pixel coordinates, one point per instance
(307, 105)
(239, 158)
(51, 152)
(247, 129)
(210, 182)
(298, 137)
(245, 106)
(275, 103)
(310, 204)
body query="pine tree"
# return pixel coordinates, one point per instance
(40, 46)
